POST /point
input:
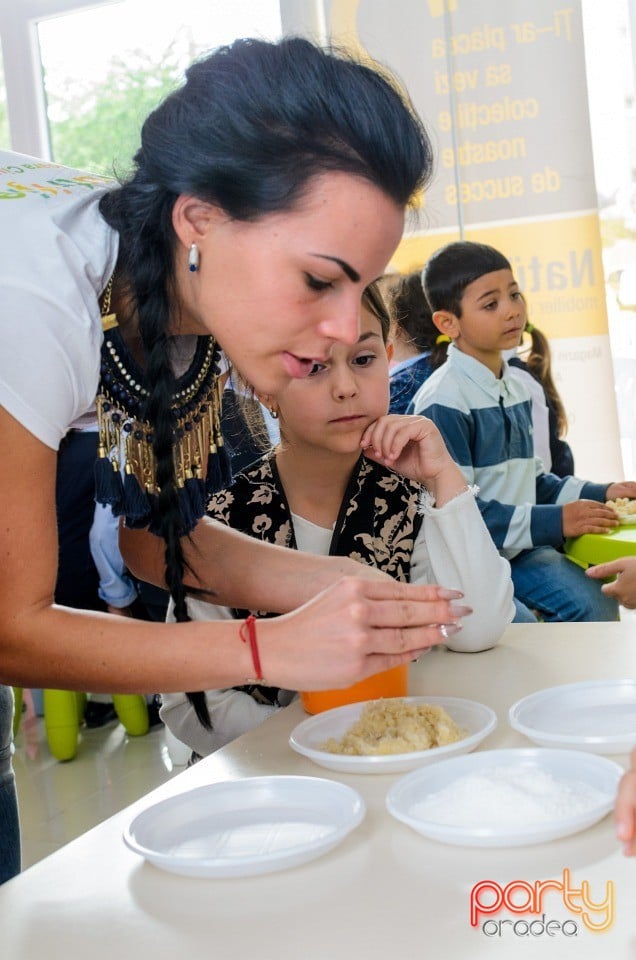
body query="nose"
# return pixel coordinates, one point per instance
(341, 322)
(517, 307)
(343, 382)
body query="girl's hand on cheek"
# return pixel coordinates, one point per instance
(410, 445)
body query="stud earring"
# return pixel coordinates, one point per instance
(193, 258)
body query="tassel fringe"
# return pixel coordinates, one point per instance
(201, 463)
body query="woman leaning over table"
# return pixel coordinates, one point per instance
(267, 193)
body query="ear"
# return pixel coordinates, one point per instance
(390, 350)
(192, 218)
(447, 323)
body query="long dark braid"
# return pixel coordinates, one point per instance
(146, 261)
(252, 125)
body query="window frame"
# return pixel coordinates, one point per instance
(26, 101)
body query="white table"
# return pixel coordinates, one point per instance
(384, 892)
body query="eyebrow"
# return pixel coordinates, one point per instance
(346, 268)
(496, 290)
(367, 336)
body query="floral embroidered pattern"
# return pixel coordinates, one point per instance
(377, 525)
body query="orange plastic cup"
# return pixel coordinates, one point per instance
(389, 683)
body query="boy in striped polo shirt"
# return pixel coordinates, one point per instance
(484, 415)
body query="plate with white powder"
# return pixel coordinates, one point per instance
(506, 798)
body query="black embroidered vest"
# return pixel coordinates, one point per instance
(377, 524)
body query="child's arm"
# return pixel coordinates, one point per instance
(414, 447)
(587, 516)
(453, 533)
(116, 588)
(553, 489)
(624, 489)
(454, 546)
(508, 525)
(582, 503)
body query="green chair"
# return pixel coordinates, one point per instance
(63, 713)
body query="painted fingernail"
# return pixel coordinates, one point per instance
(447, 594)
(448, 629)
(459, 609)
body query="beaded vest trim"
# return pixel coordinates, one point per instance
(201, 464)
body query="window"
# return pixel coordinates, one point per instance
(94, 72)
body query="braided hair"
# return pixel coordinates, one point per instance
(252, 125)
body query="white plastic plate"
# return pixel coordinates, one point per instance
(498, 798)
(307, 738)
(598, 716)
(243, 827)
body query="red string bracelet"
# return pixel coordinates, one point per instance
(249, 627)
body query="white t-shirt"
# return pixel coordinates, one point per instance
(56, 256)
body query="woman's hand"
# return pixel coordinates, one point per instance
(625, 809)
(414, 447)
(356, 628)
(623, 588)
(587, 516)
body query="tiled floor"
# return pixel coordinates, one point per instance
(59, 801)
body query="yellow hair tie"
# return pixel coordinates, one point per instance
(442, 338)
(529, 327)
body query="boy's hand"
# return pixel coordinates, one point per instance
(625, 489)
(587, 516)
(413, 446)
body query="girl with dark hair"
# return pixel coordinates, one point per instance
(323, 490)
(416, 352)
(267, 192)
(533, 363)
